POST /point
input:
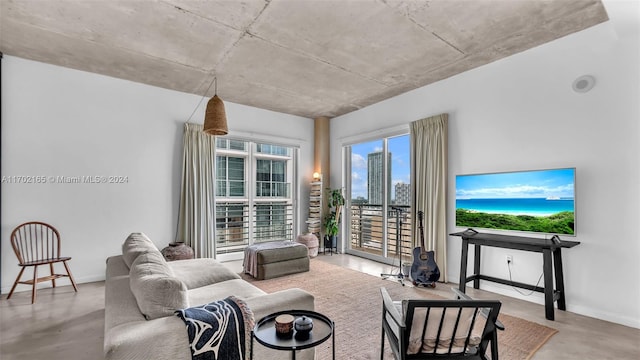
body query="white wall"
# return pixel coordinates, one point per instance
(63, 122)
(520, 113)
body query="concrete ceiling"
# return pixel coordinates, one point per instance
(303, 57)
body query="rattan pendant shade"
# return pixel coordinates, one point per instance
(215, 118)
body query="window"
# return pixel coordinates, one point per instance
(274, 150)
(247, 213)
(231, 144)
(271, 178)
(230, 176)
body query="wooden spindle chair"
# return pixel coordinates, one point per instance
(37, 243)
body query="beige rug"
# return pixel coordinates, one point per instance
(352, 300)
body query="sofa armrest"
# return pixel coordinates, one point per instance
(146, 339)
(289, 299)
(116, 267)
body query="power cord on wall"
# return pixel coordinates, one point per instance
(515, 288)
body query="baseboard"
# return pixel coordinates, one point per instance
(606, 316)
(538, 298)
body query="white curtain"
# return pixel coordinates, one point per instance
(196, 219)
(429, 185)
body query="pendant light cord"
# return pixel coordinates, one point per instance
(215, 80)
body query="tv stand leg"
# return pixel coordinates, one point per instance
(476, 266)
(462, 284)
(557, 264)
(548, 284)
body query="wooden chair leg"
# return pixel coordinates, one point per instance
(70, 276)
(53, 280)
(494, 345)
(35, 284)
(15, 283)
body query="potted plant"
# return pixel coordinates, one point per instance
(335, 202)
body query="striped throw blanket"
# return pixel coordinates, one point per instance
(220, 330)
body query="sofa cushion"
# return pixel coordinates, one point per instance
(157, 292)
(135, 245)
(214, 292)
(195, 273)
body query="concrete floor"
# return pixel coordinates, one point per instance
(578, 337)
(68, 325)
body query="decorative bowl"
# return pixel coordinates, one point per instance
(303, 326)
(284, 324)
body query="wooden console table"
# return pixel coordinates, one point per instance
(547, 247)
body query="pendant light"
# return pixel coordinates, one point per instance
(215, 118)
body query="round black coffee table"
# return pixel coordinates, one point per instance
(265, 333)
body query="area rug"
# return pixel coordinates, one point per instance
(352, 300)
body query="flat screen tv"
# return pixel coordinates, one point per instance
(538, 201)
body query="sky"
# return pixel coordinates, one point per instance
(522, 184)
(400, 163)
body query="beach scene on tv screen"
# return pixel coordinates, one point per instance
(533, 201)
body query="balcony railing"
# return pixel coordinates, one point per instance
(271, 221)
(367, 231)
(272, 189)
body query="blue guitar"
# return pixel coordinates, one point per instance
(424, 270)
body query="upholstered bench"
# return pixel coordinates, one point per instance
(275, 258)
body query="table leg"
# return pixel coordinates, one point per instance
(557, 264)
(462, 284)
(333, 339)
(548, 284)
(293, 354)
(476, 266)
(251, 347)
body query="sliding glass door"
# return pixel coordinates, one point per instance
(379, 195)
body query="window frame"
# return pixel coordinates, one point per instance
(251, 201)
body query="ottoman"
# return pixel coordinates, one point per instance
(276, 258)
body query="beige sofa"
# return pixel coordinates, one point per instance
(142, 291)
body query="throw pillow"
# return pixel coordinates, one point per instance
(157, 292)
(135, 245)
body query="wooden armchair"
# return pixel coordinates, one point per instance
(36, 243)
(424, 329)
